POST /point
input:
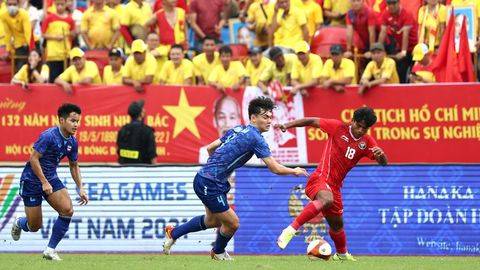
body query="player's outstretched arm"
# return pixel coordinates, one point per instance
(303, 122)
(380, 156)
(37, 170)
(279, 169)
(75, 172)
(213, 146)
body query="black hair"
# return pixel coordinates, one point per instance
(366, 115)
(225, 49)
(258, 104)
(38, 68)
(209, 38)
(177, 46)
(67, 108)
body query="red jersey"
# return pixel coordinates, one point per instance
(395, 23)
(342, 152)
(360, 21)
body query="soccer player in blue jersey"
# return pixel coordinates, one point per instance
(211, 184)
(39, 179)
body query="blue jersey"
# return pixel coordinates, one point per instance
(53, 147)
(238, 146)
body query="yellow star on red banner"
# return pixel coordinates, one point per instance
(184, 115)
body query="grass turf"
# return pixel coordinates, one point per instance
(199, 262)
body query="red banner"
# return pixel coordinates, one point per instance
(430, 123)
(436, 123)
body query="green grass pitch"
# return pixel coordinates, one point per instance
(200, 262)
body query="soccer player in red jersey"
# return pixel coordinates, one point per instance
(346, 145)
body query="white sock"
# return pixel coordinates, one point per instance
(49, 250)
(291, 229)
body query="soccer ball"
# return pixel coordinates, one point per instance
(319, 249)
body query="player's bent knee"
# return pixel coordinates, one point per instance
(66, 212)
(34, 226)
(234, 224)
(211, 222)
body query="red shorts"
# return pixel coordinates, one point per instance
(315, 184)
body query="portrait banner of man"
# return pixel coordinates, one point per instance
(240, 34)
(468, 13)
(231, 110)
(287, 147)
(227, 114)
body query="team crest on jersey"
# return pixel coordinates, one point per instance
(69, 148)
(362, 145)
(345, 138)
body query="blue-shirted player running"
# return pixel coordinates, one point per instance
(39, 179)
(228, 153)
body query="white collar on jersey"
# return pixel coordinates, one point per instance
(351, 134)
(61, 134)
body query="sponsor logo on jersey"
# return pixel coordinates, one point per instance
(345, 138)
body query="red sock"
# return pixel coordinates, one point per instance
(340, 240)
(310, 211)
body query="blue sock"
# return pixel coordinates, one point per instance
(60, 228)
(221, 242)
(23, 223)
(193, 225)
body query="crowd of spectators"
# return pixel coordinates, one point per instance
(148, 42)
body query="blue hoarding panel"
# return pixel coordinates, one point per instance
(393, 210)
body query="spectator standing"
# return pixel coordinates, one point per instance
(432, 19)
(259, 14)
(335, 11)
(170, 23)
(360, 20)
(119, 9)
(135, 140)
(314, 15)
(288, 26)
(36, 16)
(18, 32)
(207, 17)
(135, 16)
(100, 26)
(58, 31)
(399, 34)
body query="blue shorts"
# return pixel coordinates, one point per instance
(32, 192)
(208, 193)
